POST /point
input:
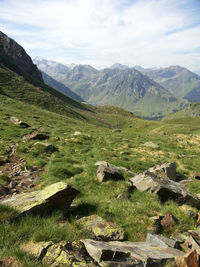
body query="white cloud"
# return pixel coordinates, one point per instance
(101, 32)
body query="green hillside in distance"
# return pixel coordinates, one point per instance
(119, 85)
(60, 87)
(178, 80)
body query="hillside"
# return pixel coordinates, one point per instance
(124, 87)
(60, 87)
(14, 57)
(178, 80)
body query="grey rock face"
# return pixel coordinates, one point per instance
(106, 173)
(165, 188)
(14, 57)
(168, 169)
(16, 121)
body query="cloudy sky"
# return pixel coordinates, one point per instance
(102, 32)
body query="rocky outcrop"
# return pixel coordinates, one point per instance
(109, 172)
(35, 136)
(106, 164)
(166, 170)
(14, 57)
(139, 253)
(60, 254)
(165, 189)
(56, 196)
(101, 229)
(16, 121)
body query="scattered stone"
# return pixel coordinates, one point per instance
(106, 164)
(101, 229)
(165, 189)
(145, 253)
(117, 131)
(162, 241)
(56, 196)
(45, 147)
(35, 136)
(37, 250)
(151, 145)
(121, 197)
(168, 222)
(166, 170)
(109, 173)
(16, 121)
(125, 153)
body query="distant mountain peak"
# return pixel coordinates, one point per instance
(119, 66)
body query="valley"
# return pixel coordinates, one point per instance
(84, 185)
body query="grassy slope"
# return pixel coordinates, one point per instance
(37, 93)
(74, 164)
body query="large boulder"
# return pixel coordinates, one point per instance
(101, 229)
(16, 121)
(144, 254)
(166, 170)
(35, 136)
(162, 241)
(56, 196)
(109, 172)
(166, 189)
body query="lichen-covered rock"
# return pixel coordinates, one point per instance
(55, 196)
(191, 259)
(37, 250)
(102, 229)
(166, 170)
(110, 172)
(145, 253)
(16, 121)
(165, 189)
(67, 255)
(120, 168)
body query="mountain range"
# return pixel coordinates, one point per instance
(118, 85)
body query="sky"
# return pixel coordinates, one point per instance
(150, 33)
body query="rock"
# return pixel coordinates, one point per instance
(45, 147)
(180, 237)
(191, 259)
(16, 121)
(166, 170)
(109, 173)
(168, 222)
(162, 241)
(151, 145)
(37, 250)
(55, 196)
(67, 254)
(165, 189)
(145, 254)
(77, 133)
(101, 229)
(35, 136)
(121, 197)
(106, 164)
(117, 131)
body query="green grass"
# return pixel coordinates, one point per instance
(74, 160)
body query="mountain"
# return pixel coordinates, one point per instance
(60, 87)
(127, 88)
(178, 80)
(21, 80)
(119, 66)
(14, 57)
